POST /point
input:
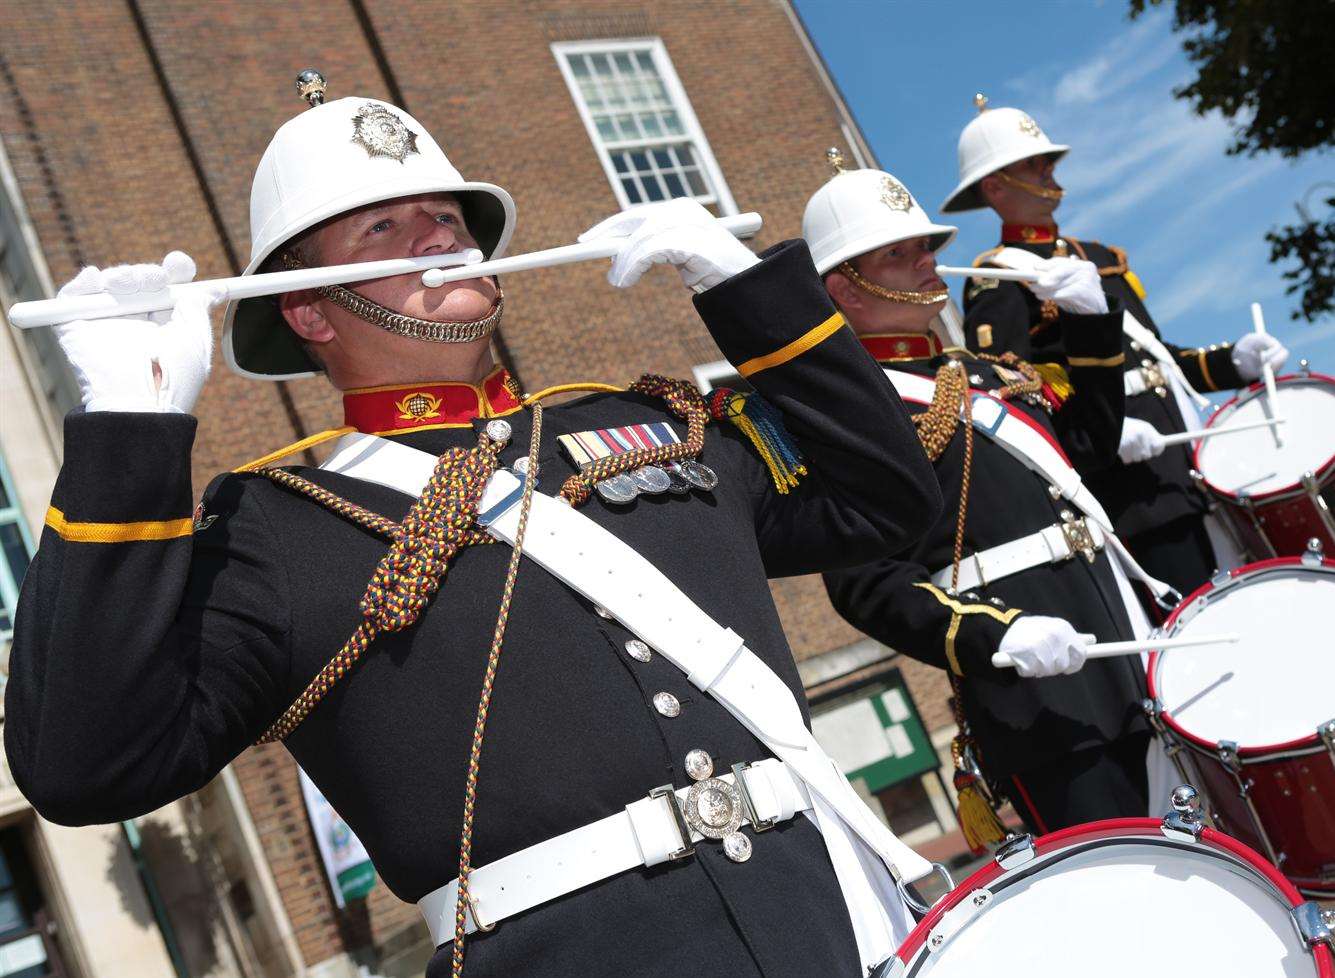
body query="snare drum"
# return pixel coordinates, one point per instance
(1278, 498)
(1116, 899)
(1253, 724)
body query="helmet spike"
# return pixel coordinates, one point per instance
(980, 100)
(311, 86)
(835, 159)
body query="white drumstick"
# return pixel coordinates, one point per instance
(1270, 404)
(105, 305)
(738, 224)
(1102, 650)
(999, 274)
(1182, 437)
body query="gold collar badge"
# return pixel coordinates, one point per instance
(419, 406)
(381, 133)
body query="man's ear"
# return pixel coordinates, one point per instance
(304, 316)
(845, 294)
(989, 188)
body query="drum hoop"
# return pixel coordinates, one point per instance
(1057, 846)
(1293, 489)
(1258, 753)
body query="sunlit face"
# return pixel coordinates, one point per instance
(407, 227)
(906, 266)
(1013, 201)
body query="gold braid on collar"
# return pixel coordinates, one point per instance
(403, 324)
(893, 295)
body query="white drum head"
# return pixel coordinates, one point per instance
(1249, 461)
(1272, 687)
(1127, 909)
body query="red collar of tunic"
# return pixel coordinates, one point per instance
(891, 347)
(1028, 233)
(421, 407)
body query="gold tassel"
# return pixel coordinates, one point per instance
(978, 821)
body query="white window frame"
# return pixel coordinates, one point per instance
(9, 587)
(693, 134)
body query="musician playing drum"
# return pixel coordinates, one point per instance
(1007, 163)
(151, 648)
(1012, 564)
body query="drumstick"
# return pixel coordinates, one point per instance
(738, 224)
(105, 305)
(1270, 404)
(1102, 650)
(1000, 274)
(1182, 437)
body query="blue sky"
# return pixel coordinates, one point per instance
(1144, 172)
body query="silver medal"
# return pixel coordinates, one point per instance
(699, 475)
(680, 484)
(650, 478)
(618, 489)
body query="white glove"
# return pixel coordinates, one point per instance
(1072, 283)
(1042, 646)
(114, 360)
(675, 232)
(1253, 350)
(1141, 441)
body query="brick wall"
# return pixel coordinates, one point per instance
(99, 103)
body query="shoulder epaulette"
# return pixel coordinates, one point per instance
(982, 258)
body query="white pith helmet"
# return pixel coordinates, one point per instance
(333, 158)
(858, 211)
(996, 138)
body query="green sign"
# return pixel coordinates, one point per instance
(875, 734)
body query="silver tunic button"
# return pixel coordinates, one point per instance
(737, 847)
(699, 765)
(667, 704)
(520, 465)
(638, 650)
(601, 611)
(498, 431)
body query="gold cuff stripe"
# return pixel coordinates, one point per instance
(1116, 361)
(951, 632)
(796, 348)
(1005, 617)
(117, 532)
(1205, 370)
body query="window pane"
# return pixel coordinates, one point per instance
(632, 191)
(657, 92)
(626, 124)
(640, 161)
(654, 189)
(637, 94)
(592, 97)
(649, 123)
(662, 158)
(675, 187)
(578, 66)
(672, 122)
(623, 63)
(605, 127)
(619, 161)
(16, 554)
(4, 496)
(600, 66)
(698, 187)
(646, 61)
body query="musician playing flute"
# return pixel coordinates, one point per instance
(1014, 563)
(567, 759)
(1007, 164)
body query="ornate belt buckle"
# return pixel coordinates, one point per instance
(1152, 373)
(1078, 538)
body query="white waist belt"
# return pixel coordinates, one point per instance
(645, 833)
(1050, 545)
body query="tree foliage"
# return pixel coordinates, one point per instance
(1269, 67)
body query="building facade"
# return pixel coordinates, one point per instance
(132, 129)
